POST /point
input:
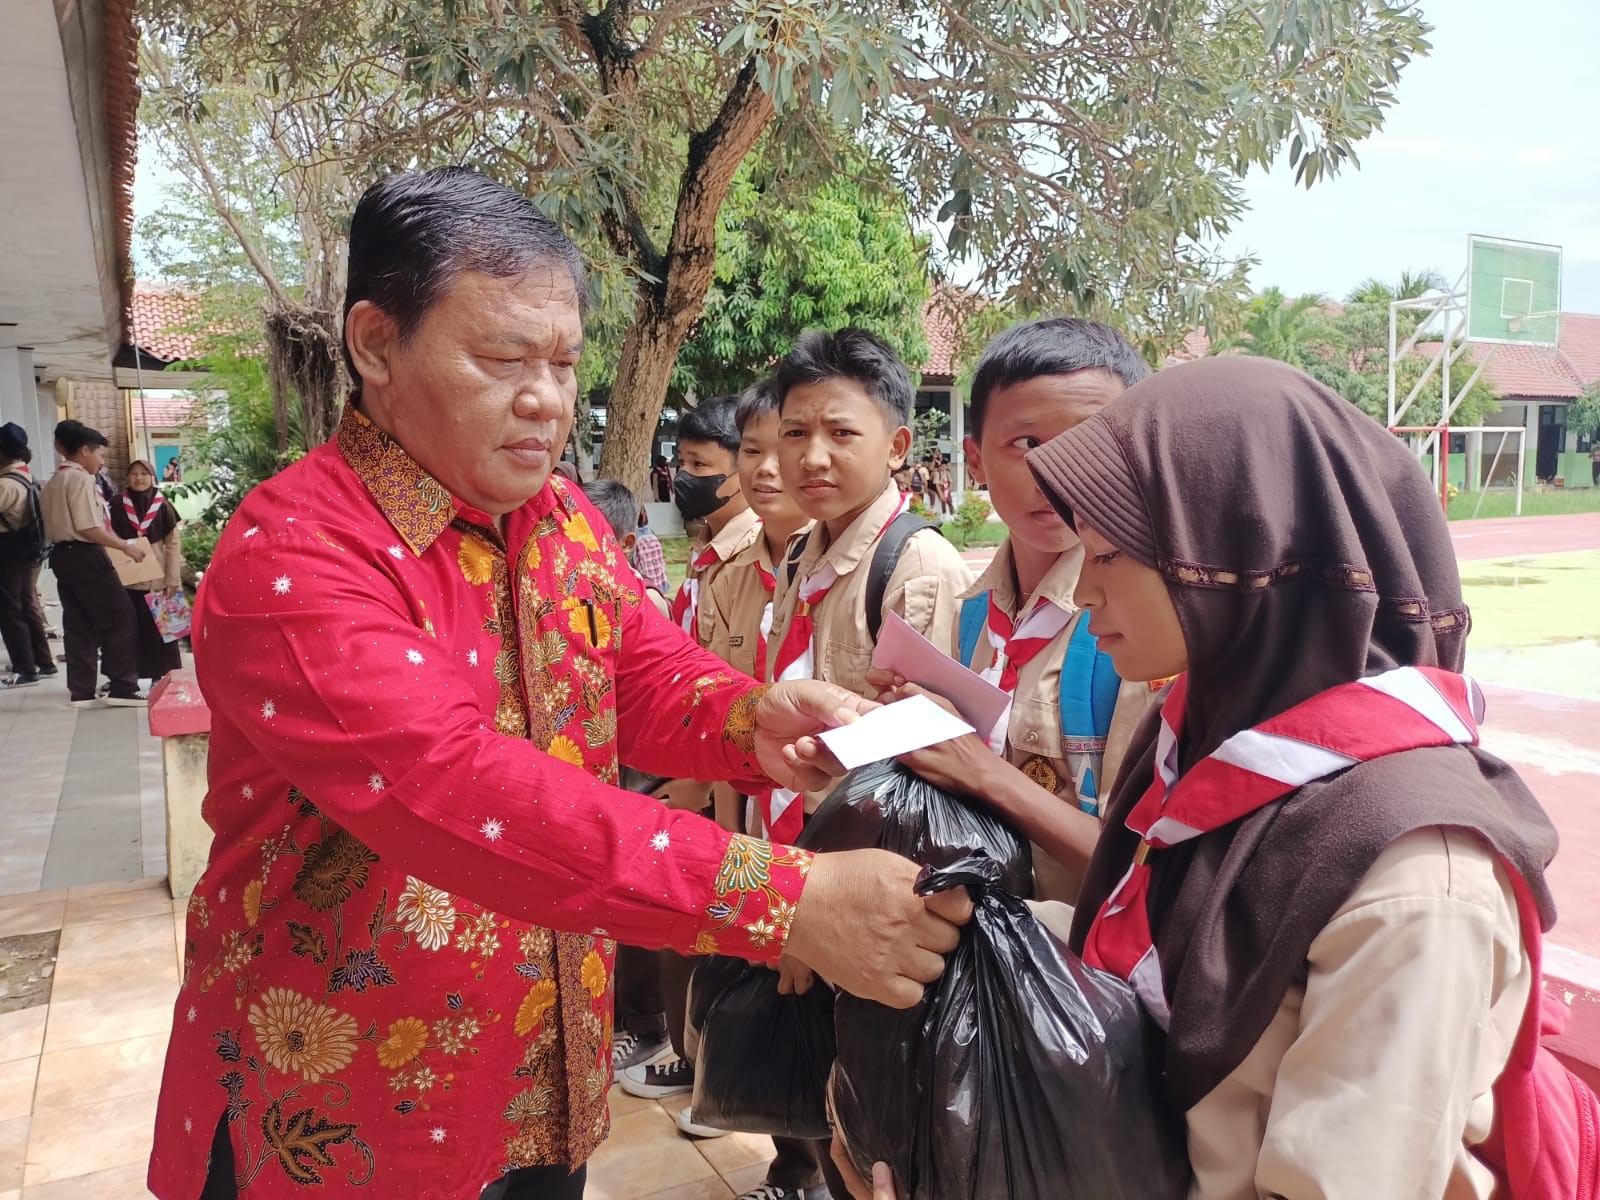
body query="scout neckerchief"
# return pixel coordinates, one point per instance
(1403, 709)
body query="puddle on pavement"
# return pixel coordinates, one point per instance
(27, 966)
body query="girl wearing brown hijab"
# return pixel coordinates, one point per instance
(1319, 885)
(142, 511)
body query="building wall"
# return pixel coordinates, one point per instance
(101, 406)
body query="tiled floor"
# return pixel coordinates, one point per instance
(79, 1076)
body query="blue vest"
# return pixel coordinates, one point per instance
(1089, 685)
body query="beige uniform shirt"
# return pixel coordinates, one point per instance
(923, 589)
(14, 507)
(1373, 1080)
(70, 501)
(738, 599)
(734, 537)
(1033, 734)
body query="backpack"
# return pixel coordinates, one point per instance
(884, 560)
(1545, 1142)
(1088, 697)
(26, 542)
(919, 479)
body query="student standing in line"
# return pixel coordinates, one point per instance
(1322, 889)
(143, 511)
(844, 406)
(1061, 742)
(95, 616)
(652, 559)
(743, 604)
(649, 1062)
(22, 549)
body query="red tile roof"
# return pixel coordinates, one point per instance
(164, 412)
(1563, 371)
(161, 317)
(944, 321)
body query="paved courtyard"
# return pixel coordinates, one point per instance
(87, 984)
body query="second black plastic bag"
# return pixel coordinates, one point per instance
(761, 1059)
(885, 805)
(1023, 1074)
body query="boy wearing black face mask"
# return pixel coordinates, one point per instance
(707, 489)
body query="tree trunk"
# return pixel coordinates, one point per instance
(305, 359)
(649, 352)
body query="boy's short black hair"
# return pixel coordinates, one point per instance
(73, 436)
(712, 421)
(617, 504)
(758, 400)
(849, 354)
(1052, 346)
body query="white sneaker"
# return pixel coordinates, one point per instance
(94, 702)
(140, 700)
(689, 1127)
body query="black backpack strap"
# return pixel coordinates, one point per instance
(791, 562)
(884, 560)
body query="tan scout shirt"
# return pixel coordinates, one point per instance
(738, 598)
(13, 498)
(70, 501)
(735, 536)
(923, 589)
(1374, 1079)
(1033, 734)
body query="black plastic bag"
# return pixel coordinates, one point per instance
(885, 805)
(761, 1059)
(1023, 1074)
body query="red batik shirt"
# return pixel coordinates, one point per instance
(416, 726)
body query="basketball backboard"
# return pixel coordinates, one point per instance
(1513, 291)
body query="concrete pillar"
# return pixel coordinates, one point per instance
(16, 402)
(180, 717)
(44, 451)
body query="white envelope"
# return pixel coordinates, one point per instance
(907, 653)
(894, 729)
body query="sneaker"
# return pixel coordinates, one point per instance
(689, 1127)
(19, 680)
(91, 702)
(137, 700)
(49, 670)
(768, 1191)
(105, 690)
(631, 1051)
(656, 1080)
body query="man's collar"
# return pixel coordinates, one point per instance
(418, 506)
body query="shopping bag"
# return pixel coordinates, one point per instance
(171, 612)
(761, 1059)
(1022, 1074)
(885, 805)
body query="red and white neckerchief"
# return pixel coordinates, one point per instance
(1015, 644)
(1404, 709)
(686, 604)
(796, 659)
(141, 525)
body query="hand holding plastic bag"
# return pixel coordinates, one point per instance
(1024, 1074)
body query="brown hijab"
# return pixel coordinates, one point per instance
(166, 520)
(1304, 548)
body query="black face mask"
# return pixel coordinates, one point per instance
(696, 495)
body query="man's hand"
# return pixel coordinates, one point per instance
(133, 551)
(958, 765)
(882, 1186)
(794, 978)
(860, 926)
(787, 720)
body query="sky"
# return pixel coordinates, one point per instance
(1497, 132)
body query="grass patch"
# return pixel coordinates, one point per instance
(1536, 502)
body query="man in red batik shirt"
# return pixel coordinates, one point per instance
(425, 659)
